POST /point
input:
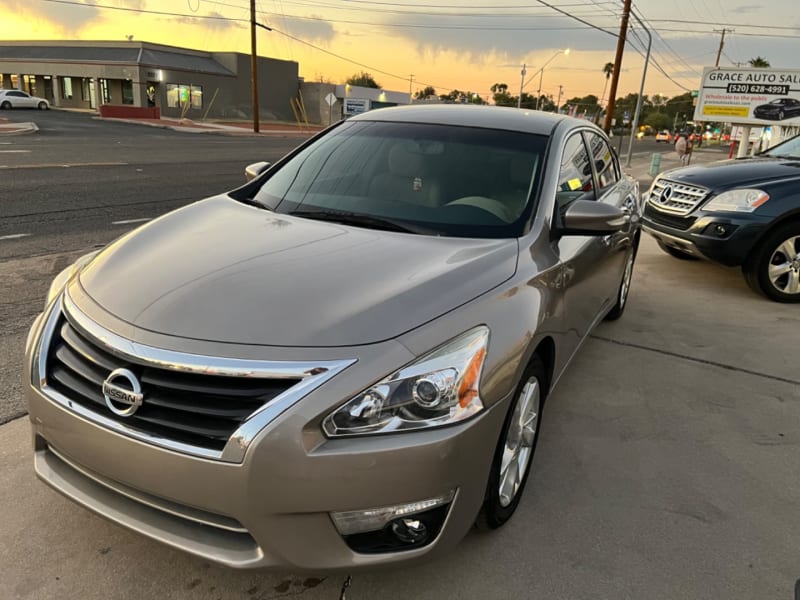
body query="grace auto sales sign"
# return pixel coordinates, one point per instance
(749, 96)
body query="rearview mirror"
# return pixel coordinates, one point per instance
(589, 217)
(256, 169)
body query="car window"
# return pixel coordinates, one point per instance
(18, 94)
(604, 160)
(447, 180)
(575, 172)
(788, 149)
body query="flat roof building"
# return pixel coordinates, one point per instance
(179, 81)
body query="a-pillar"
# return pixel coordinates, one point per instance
(744, 142)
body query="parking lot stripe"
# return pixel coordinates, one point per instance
(14, 236)
(15, 151)
(127, 221)
(64, 165)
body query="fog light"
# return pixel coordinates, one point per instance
(720, 230)
(409, 531)
(372, 519)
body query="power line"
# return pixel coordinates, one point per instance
(726, 24)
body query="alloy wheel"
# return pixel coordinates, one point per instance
(784, 266)
(518, 445)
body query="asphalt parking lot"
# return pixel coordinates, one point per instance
(667, 466)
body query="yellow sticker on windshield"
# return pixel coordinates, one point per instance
(574, 184)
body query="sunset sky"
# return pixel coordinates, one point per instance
(463, 44)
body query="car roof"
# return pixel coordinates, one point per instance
(471, 115)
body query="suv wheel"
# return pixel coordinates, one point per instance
(42, 105)
(5, 105)
(515, 449)
(773, 269)
(674, 252)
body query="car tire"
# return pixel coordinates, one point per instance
(675, 253)
(515, 448)
(781, 115)
(42, 106)
(770, 269)
(624, 286)
(5, 105)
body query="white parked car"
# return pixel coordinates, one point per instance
(20, 99)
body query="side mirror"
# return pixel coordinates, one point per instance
(589, 217)
(256, 169)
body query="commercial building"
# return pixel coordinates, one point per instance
(180, 82)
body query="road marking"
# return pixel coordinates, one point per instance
(15, 151)
(128, 221)
(14, 236)
(64, 165)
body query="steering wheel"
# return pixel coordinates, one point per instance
(490, 205)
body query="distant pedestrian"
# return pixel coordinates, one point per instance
(681, 146)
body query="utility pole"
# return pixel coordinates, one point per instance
(410, 85)
(254, 65)
(522, 84)
(558, 104)
(721, 42)
(612, 95)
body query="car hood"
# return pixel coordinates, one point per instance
(224, 271)
(741, 172)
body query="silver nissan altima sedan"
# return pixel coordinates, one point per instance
(346, 361)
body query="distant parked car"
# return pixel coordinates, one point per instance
(20, 99)
(740, 213)
(778, 110)
(664, 136)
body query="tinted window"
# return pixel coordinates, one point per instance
(18, 94)
(457, 181)
(604, 162)
(575, 172)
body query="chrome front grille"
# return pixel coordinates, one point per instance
(207, 406)
(200, 410)
(676, 198)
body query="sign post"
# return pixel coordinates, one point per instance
(331, 100)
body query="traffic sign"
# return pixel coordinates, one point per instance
(330, 99)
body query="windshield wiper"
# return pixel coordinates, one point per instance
(357, 219)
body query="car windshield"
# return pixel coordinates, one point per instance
(423, 178)
(788, 149)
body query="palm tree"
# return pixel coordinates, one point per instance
(759, 62)
(608, 70)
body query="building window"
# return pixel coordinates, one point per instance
(85, 89)
(66, 88)
(179, 95)
(196, 93)
(105, 89)
(29, 84)
(127, 91)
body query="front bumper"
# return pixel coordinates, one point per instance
(272, 509)
(725, 238)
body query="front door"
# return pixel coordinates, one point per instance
(92, 97)
(587, 262)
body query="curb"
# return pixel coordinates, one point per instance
(17, 128)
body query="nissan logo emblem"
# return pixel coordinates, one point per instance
(123, 400)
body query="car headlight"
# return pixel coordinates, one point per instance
(60, 280)
(743, 200)
(440, 388)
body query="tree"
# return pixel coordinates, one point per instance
(363, 79)
(427, 92)
(584, 106)
(759, 62)
(608, 71)
(501, 96)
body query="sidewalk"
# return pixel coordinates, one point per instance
(233, 128)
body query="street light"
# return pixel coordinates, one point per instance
(540, 72)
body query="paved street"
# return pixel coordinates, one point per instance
(667, 466)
